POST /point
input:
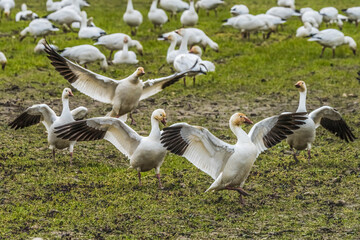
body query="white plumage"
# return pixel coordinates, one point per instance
(283, 12)
(132, 17)
(174, 6)
(38, 28)
(25, 14)
(124, 55)
(189, 17)
(89, 32)
(156, 15)
(3, 60)
(40, 48)
(306, 30)
(240, 9)
(353, 14)
(6, 6)
(208, 5)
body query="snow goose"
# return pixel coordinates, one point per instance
(312, 17)
(286, 3)
(124, 95)
(115, 41)
(145, 153)
(271, 23)
(84, 54)
(6, 6)
(40, 48)
(80, 3)
(3, 60)
(229, 165)
(306, 30)
(38, 28)
(330, 15)
(353, 14)
(43, 113)
(325, 116)
(156, 15)
(210, 67)
(208, 5)
(173, 6)
(189, 17)
(171, 52)
(237, 10)
(53, 6)
(333, 38)
(89, 32)
(125, 56)
(65, 16)
(249, 23)
(132, 17)
(283, 12)
(25, 14)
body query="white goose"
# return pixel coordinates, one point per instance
(38, 28)
(189, 17)
(271, 24)
(145, 153)
(132, 17)
(353, 14)
(208, 5)
(325, 116)
(333, 38)
(6, 6)
(40, 48)
(115, 42)
(125, 56)
(124, 95)
(43, 113)
(52, 6)
(240, 9)
(84, 54)
(3, 60)
(65, 16)
(173, 6)
(229, 165)
(286, 3)
(312, 17)
(306, 30)
(248, 24)
(156, 15)
(89, 32)
(283, 12)
(171, 52)
(25, 14)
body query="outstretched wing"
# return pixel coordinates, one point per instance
(79, 113)
(331, 120)
(114, 130)
(94, 85)
(33, 115)
(199, 146)
(272, 130)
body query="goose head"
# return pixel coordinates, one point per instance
(301, 86)
(352, 44)
(159, 115)
(196, 50)
(239, 119)
(140, 71)
(67, 93)
(126, 40)
(181, 31)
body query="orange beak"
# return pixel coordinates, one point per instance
(297, 85)
(247, 120)
(71, 94)
(163, 121)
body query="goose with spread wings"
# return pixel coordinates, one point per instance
(43, 113)
(229, 165)
(124, 95)
(325, 116)
(145, 153)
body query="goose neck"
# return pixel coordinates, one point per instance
(302, 102)
(155, 129)
(153, 5)
(66, 108)
(240, 134)
(184, 43)
(129, 6)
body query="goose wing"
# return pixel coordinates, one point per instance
(272, 130)
(79, 113)
(94, 85)
(331, 120)
(199, 146)
(113, 130)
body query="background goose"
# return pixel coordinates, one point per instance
(25, 14)
(115, 42)
(286, 3)
(52, 6)
(84, 54)
(145, 153)
(229, 165)
(353, 14)
(38, 28)
(124, 95)
(237, 10)
(3, 60)
(6, 6)
(43, 113)
(312, 17)
(208, 5)
(325, 116)
(189, 17)
(171, 52)
(156, 15)
(306, 30)
(65, 16)
(40, 47)
(125, 56)
(333, 38)
(248, 24)
(89, 32)
(173, 6)
(283, 12)
(132, 17)
(330, 14)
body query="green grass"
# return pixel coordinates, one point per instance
(99, 198)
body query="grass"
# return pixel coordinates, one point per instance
(99, 198)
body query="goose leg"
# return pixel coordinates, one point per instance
(294, 155)
(322, 51)
(139, 176)
(132, 120)
(184, 81)
(53, 153)
(110, 56)
(157, 174)
(333, 50)
(194, 80)
(241, 191)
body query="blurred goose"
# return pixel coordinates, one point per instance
(173, 6)
(271, 24)
(79, 3)
(125, 56)
(156, 15)
(124, 95)
(330, 15)
(237, 10)
(89, 32)
(189, 17)
(52, 6)
(43, 113)
(132, 17)
(3, 60)
(353, 14)
(333, 38)
(325, 116)
(40, 47)
(38, 28)
(84, 54)
(248, 23)
(65, 16)
(6, 6)
(208, 5)
(25, 14)
(283, 12)
(145, 153)
(312, 17)
(306, 30)
(286, 3)
(229, 165)
(171, 52)
(115, 41)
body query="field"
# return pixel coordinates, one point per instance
(98, 197)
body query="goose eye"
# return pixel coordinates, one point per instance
(160, 115)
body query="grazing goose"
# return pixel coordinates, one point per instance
(229, 165)
(286, 3)
(43, 113)
(247, 24)
(25, 14)
(353, 14)
(124, 95)
(145, 153)
(52, 6)
(283, 12)
(312, 17)
(330, 15)
(115, 42)
(84, 54)
(237, 10)
(306, 30)
(333, 38)
(156, 15)
(89, 32)
(189, 17)
(271, 24)
(132, 17)
(173, 6)
(125, 56)
(208, 5)
(38, 28)
(65, 16)
(6, 6)
(325, 116)
(3, 60)
(40, 47)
